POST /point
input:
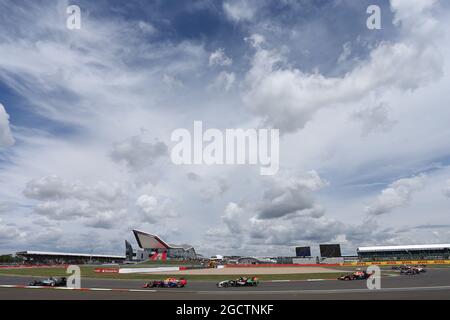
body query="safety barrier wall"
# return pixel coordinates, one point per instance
(148, 270)
(332, 260)
(308, 260)
(106, 270)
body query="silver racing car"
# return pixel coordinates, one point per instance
(240, 282)
(50, 282)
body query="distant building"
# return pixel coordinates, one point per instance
(66, 258)
(255, 260)
(412, 252)
(129, 254)
(153, 247)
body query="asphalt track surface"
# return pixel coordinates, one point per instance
(435, 284)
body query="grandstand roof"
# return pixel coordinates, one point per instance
(150, 241)
(403, 248)
(66, 254)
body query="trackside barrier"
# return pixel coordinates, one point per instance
(148, 270)
(138, 270)
(106, 270)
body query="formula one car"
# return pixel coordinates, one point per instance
(50, 282)
(167, 283)
(240, 282)
(421, 269)
(409, 271)
(398, 268)
(357, 275)
(412, 270)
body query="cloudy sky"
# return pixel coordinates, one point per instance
(86, 118)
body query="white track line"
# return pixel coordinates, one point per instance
(78, 289)
(325, 291)
(316, 280)
(306, 280)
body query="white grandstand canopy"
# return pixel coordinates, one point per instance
(147, 240)
(66, 254)
(151, 241)
(403, 248)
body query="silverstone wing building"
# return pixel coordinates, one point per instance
(151, 246)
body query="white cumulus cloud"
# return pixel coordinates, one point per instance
(224, 81)
(374, 119)
(398, 194)
(287, 98)
(238, 10)
(152, 210)
(99, 206)
(289, 195)
(220, 58)
(138, 154)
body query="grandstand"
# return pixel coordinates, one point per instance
(411, 252)
(36, 257)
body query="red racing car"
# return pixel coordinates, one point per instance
(357, 275)
(167, 283)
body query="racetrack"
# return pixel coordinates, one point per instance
(435, 284)
(255, 271)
